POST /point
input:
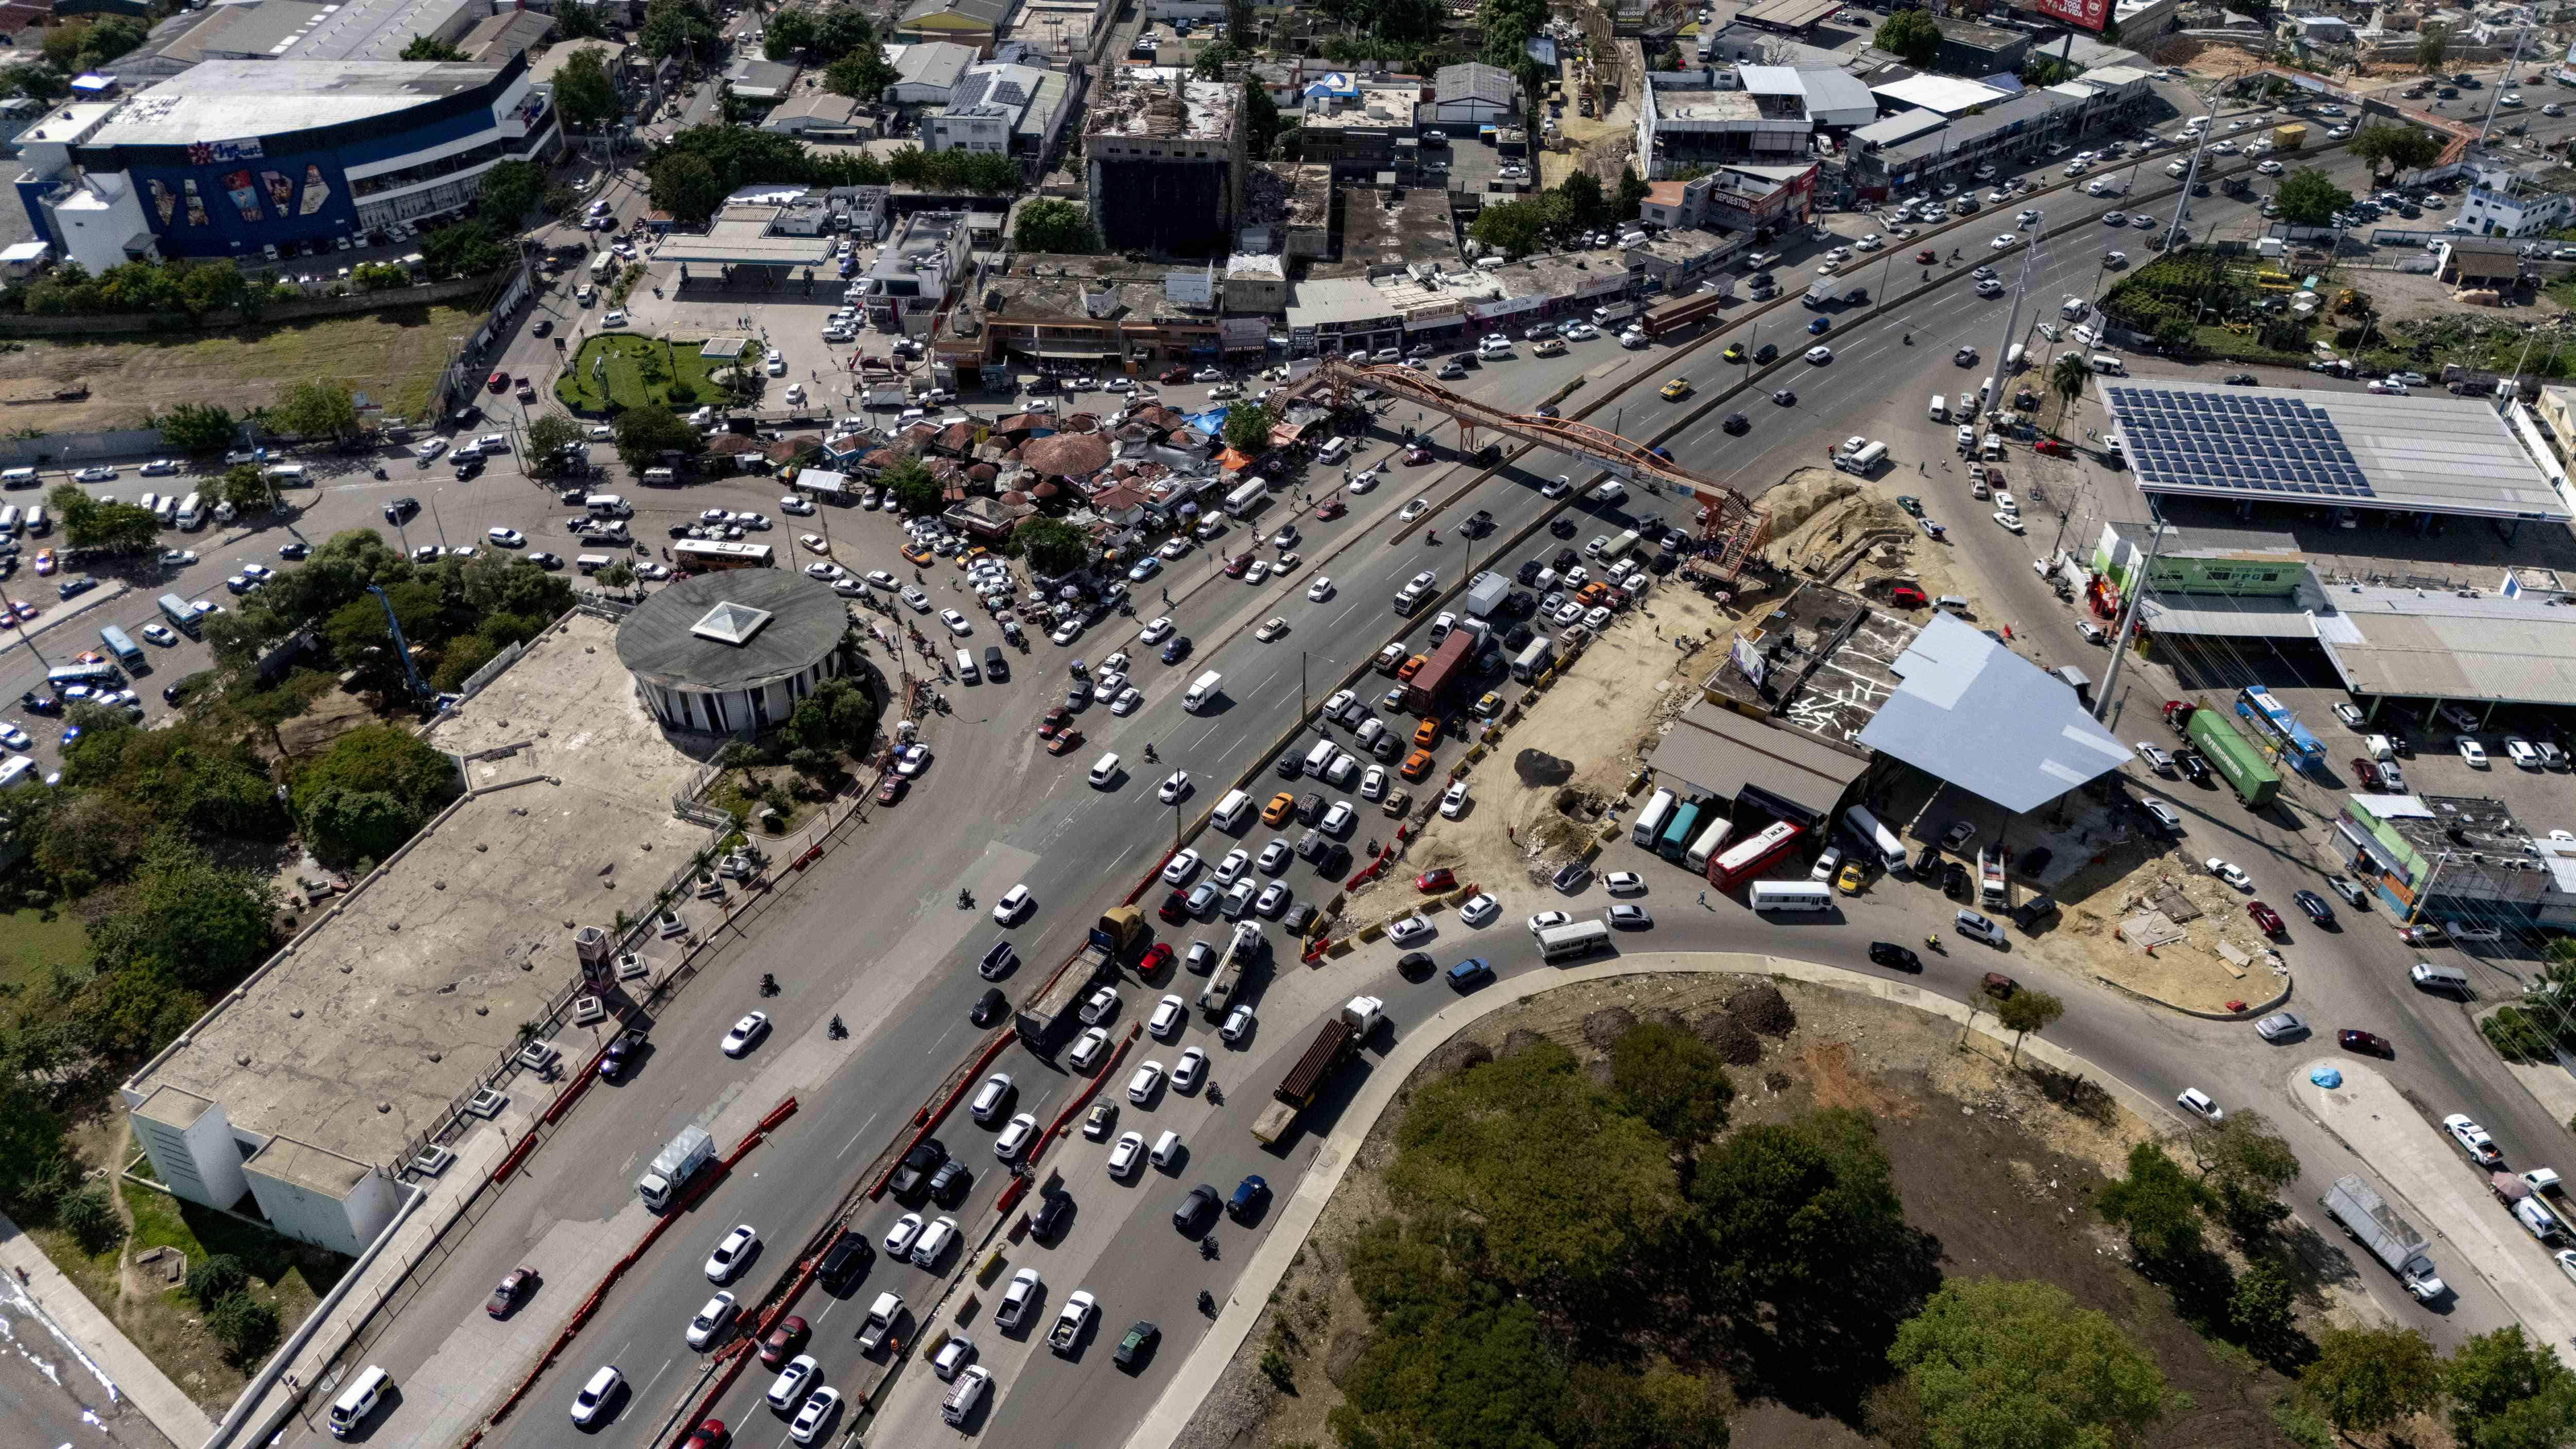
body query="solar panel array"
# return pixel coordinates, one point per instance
(2184, 440)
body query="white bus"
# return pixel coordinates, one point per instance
(1710, 842)
(1791, 895)
(1572, 941)
(1650, 821)
(1868, 833)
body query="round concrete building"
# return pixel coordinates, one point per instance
(730, 653)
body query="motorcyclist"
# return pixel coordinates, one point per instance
(965, 898)
(1909, 339)
(1432, 537)
(768, 984)
(1149, 754)
(837, 1030)
(1207, 1301)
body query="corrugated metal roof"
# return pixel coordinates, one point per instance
(2255, 618)
(1972, 713)
(2442, 646)
(1717, 751)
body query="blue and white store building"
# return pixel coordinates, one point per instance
(255, 159)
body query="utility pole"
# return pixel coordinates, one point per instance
(2129, 611)
(2502, 85)
(1994, 403)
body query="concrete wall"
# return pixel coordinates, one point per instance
(344, 1225)
(201, 1163)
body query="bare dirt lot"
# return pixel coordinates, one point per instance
(1998, 1165)
(392, 357)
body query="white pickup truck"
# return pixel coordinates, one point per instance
(882, 1316)
(1068, 1324)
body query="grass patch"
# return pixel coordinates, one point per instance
(30, 948)
(393, 357)
(639, 370)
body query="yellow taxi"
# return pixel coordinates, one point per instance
(1849, 881)
(1735, 352)
(1676, 390)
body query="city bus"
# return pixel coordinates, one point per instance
(96, 676)
(2274, 722)
(712, 555)
(1748, 857)
(1650, 821)
(122, 647)
(1677, 836)
(1710, 841)
(1573, 940)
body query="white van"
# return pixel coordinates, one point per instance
(1320, 758)
(1231, 810)
(1791, 895)
(10, 520)
(169, 509)
(2104, 362)
(149, 503)
(1167, 1149)
(1861, 461)
(192, 512)
(39, 522)
(15, 771)
(2380, 747)
(2439, 978)
(968, 1392)
(591, 563)
(659, 478)
(1202, 691)
(966, 670)
(287, 475)
(1940, 408)
(607, 505)
(2014, 359)
(351, 1409)
(1333, 451)
(18, 478)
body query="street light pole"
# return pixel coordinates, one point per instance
(2129, 611)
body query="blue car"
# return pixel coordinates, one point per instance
(71, 735)
(1177, 650)
(1469, 974)
(1249, 1195)
(1145, 569)
(1820, 326)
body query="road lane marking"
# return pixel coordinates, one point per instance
(854, 1138)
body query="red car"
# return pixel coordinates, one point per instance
(1416, 457)
(785, 1341)
(2264, 916)
(517, 1285)
(1176, 373)
(2365, 1043)
(1927, 256)
(1907, 596)
(1332, 508)
(1064, 742)
(2053, 448)
(1235, 566)
(1157, 956)
(1052, 723)
(1435, 880)
(1175, 909)
(709, 1435)
(892, 790)
(2366, 772)
(500, 382)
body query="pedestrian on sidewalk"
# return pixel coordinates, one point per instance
(1703, 898)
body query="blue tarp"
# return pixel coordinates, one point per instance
(2325, 1076)
(1211, 422)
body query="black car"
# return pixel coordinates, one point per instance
(1954, 881)
(1290, 765)
(1302, 914)
(621, 1056)
(1737, 423)
(70, 588)
(467, 468)
(1765, 353)
(1565, 559)
(544, 326)
(1929, 857)
(40, 703)
(2033, 911)
(1249, 1195)
(1138, 1345)
(401, 509)
(950, 1184)
(1177, 650)
(918, 1164)
(677, 530)
(1415, 965)
(2241, 379)
(989, 1007)
(294, 551)
(1352, 714)
(1517, 638)
(1888, 953)
(2193, 767)
(1054, 1210)
(1529, 571)
(2035, 860)
(845, 1260)
(1519, 604)
(1478, 524)
(2316, 907)
(1192, 1215)
(1561, 527)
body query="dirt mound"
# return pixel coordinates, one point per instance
(1805, 493)
(1540, 770)
(1736, 1046)
(1457, 1057)
(1666, 1016)
(1519, 1040)
(1602, 1029)
(1761, 1008)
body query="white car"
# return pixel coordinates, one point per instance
(1408, 930)
(957, 623)
(1013, 905)
(2011, 522)
(750, 1029)
(2519, 750)
(1453, 801)
(2197, 1103)
(1624, 883)
(1018, 1299)
(1126, 702)
(1230, 869)
(730, 1254)
(915, 599)
(776, 362)
(153, 633)
(100, 473)
(1126, 1154)
(1238, 1025)
(1170, 1015)
(2155, 759)
(1187, 1071)
(1479, 910)
(1156, 630)
(1820, 355)
(1546, 920)
(1015, 1137)
(2003, 242)
(1413, 510)
(815, 1419)
(506, 537)
(711, 1320)
(900, 1238)
(793, 1381)
(2473, 752)
(1270, 629)
(1145, 1082)
(2229, 873)
(429, 448)
(1320, 590)
(1087, 1048)
(1182, 867)
(1373, 783)
(1558, 488)
(1174, 787)
(160, 468)
(814, 542)
(592, 1401)
(615, 317)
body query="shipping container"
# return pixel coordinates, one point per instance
(1447, 665)
(2236, 760)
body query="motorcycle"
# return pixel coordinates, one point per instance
(1431, 537)
(768, 984)
(1932, 943)
(965, 900)
(836, 1031)
(1215, 1097)
(1909, 339)
(380, 470)
(1207, 1303)
(1207, 1246)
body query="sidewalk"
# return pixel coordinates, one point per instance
(129, 1377)
(1197, 1377)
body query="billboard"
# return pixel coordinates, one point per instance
(1749, 658)
(2083, 14)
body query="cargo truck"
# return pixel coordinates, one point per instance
(1669, 317)
(2390, 1238)
(1242, 948)
(1990, 876)
(1446, 667)
(2289, 138)
(1485, 593)
(1334, 1042)
(2237, 761)
(1044, 1016)
(674, 1166)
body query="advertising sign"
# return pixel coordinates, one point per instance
(2086, 14)
(1748, 659)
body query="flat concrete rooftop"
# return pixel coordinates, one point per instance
(359, 1037)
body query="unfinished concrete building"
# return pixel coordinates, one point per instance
(1166, 173)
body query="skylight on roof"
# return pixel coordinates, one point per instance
(730, 623)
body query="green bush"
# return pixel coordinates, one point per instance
(215, 1278)
(91, 1220)
(246, 1327)
(2517, 1037)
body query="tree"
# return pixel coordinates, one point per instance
(838, 718)
(1055, 226)
(430, 47)
(316, 408)
(512, 189)
(2308, 197)
(246, 1327)
(192, 427)
(1260, 116)
(2157, 1203)
(91, 523)
(465, 249)
(1632, 194)
(2067, 377)
(31, 1145)
(206, 924)
(2509, 1393)
(1052, 546)
(913, 488)
(35, 82)
(244, 487)
(1247, 428)
(1585, 206)
(686, 186)
(1910, 35)
(645, 433)
(549, 433)
(672, 26)
(2259, 1309)
(789, 31)
(2016, 1365)
(1515, 228)
(2027, 1011)
(1673, 1080)
(385, 760)
(2247, 1166)
(2395, 148)
(216, 1277)
(2432, 47)
(584, 94)
(862, 75)
(91, 1220)
(2364, 1379)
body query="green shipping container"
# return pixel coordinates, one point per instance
(2237, 762)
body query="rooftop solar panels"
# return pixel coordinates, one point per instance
(2186, 440)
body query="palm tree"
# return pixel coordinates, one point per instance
(2066, 378)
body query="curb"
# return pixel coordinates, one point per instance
(2247, 1014)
